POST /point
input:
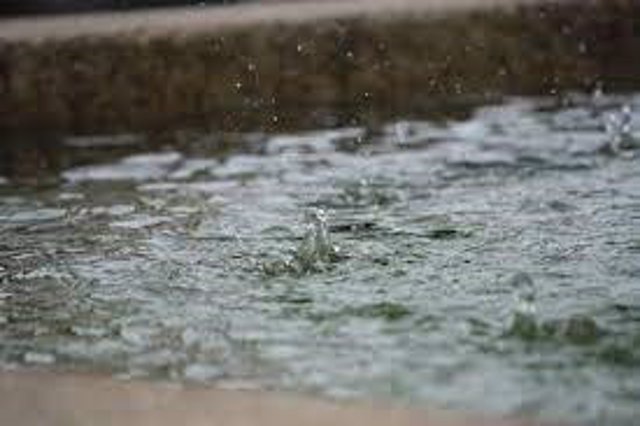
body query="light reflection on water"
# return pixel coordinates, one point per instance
(489, 264)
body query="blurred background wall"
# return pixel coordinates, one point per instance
(31, 7)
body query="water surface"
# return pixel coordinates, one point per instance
(489, 264)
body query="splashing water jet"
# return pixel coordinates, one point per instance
(315, 253)
(316, 248)
(523, 322)
(619, 134)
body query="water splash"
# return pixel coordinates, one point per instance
(316, 249)
(316, 252)
(525, 292)
(524, 323)
(620, 138)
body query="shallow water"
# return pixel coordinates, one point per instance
(489, 264)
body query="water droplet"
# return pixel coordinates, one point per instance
(597, 95)
(582, 47)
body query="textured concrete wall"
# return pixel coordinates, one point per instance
(276, 67)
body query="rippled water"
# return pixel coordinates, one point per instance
(490, 264)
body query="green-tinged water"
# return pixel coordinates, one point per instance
(490, 264)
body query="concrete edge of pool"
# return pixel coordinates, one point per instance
(29, 398)
(279, 67)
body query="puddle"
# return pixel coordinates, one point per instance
(490, 264)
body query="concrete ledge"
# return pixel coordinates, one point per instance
(289, 66)
(30, 399)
